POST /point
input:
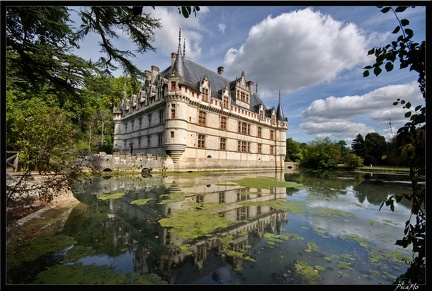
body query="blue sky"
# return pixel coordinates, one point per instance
(312, 55)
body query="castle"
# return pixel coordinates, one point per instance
(197, 119)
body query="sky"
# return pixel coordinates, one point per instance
(312, 57)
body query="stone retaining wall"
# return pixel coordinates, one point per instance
(135, 163)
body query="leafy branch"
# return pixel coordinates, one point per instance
(412, 135)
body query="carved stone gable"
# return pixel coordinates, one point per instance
(241, 83)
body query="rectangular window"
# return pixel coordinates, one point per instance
(201, 141)
(161, 116)
(205, 95)
(244, 147)
(173, 110)
(172, 134)
(223, 123)
(202, 118)
(259, 148)
(242, 213)
(149, 119)
(271, 149)
(243, 128)
(222, 143)
(221, 197)
(173, 85)
(239, 145)
(259, 131)
(160, 137)
(132, 125)
(271, 135)
(225, 101)
(148, 140)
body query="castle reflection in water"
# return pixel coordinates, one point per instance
(155, 248)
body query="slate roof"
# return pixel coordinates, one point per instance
(191, 73)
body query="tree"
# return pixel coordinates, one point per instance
(106, 21)
(375, 147)
(38, 43)
(358, 146)
(96, 122)
(343, 147)
(46, 147)
(413, 56)
(344, 150)
(352, 161)
(394, 153)
(294, 151)
(321, 153)
(41, 39)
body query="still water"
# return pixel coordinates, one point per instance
(232, 228)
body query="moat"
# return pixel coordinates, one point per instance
(228, 228)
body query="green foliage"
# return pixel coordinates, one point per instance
(106, 21)
(352, 161)
(186, 11)
(410, 54)
(39, 42)
(375, 146)
(343, 147)
(358, 146)
(294, 151)
(411, 136)
(321, 153)
(44, 137)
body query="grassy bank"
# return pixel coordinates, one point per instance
(385, 168)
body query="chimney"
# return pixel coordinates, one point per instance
(250, 85)
(155, 71)
(147, 75)
(220, 70)
(173, 58)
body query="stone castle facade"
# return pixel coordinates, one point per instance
(197, 119)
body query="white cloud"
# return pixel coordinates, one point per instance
(331, 117)
(378, 103)
(192, 29)
(334, 129)
(222, 27)
(296, 50)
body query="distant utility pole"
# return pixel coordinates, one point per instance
(391, 129)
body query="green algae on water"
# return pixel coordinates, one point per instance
(92, 274)
(141, 202)
(266, 182)
(38, 247)
(309, 274)
(111, 196)
(188, 224)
